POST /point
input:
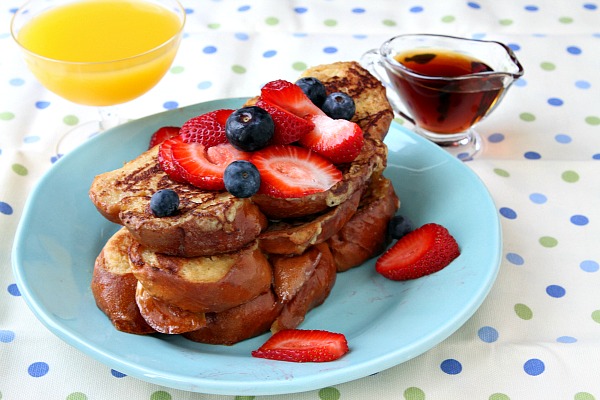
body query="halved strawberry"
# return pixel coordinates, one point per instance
(289, 128)
(162, 134)
(337, 139)
(289, 96)
(290, 171)
(421, 252)
(204, 167)
(165, 159)
(298, 345)
(207, 129)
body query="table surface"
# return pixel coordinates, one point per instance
(536, 336)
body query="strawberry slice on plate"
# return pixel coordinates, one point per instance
(288, 171)
(207, 129)
(289, 128)
(298, 345)
(204, 167)
(421, 252)
(163, 133)
(290, 97)
(337, 139)
(165, 159)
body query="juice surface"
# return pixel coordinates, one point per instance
(99, 30)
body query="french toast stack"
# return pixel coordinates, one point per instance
(223, 268)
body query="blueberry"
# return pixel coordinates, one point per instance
(164, 203)
(339, 105)
(249, 128)
(313, 89)
(399, 226)
(241, 178)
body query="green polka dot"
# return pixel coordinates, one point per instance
(523, 311)
(548, 241)
(160, 395)
(596, 316)
(389, 22)
(593, 120)
(329, 393)
(506, 22)
(548, 66)
(583, 396)
(565, 20)
(214, 26)
(499, 396)
(570, 176)
(330, 22)
(6, 116)
(527, 117)
(414, 393)
(20, 169)
(238, 69)
(299, 66)
(71, 120)
(244, 398)
(74, 396)
(177, 70)
(501, 172)
(272, 21)
(448, 18)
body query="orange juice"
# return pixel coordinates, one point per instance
(101, 52)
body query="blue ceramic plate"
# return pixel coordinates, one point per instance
(385, 322)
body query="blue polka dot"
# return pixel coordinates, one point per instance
(590, 6)
(562, 138)
(416, 9)
(451, 366)
(487, 334)
(55, 158)
(520, 82)
(534, 367)
(596, 156)
(13, 289)
(514, 46)
(330, 50)
(189, 11)
(538, 198)
(38, 369)
(554, 101)
(170, 105)
(204, 85)
(579, 220)
(508, 213)
(241, 36)
(583, 84)
(42, 104)
(532, 8)
(589, 266)
(117, 374)
(269, 53)
(555, 291)
(16, 82)
(300, 10)
(5, 208)
(31, 139)
(243, 8)
(478, 36)
(6, 336)
(496, 137)
(359, 36)
(474, 5)
(209, 50)
(574, 50)
(532, 155)
(566, 339)
(300, 34)
(515, 259)
(358, 10)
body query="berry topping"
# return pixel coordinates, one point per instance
(421, 252)
(298, 345)
(165, 158)
(204, 167)
(249, 128)
(313, 89)
(289, 128)
(339, 105)
(241, 178)
(164, 203)
(289, 97)
(337, 139)
(162, 134)
(207, 129)
(399, 226)
(290, 171)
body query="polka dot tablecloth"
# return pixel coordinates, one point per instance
(537, 335)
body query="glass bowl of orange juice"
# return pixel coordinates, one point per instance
(99, 52)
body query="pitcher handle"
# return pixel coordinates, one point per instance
(371, 61)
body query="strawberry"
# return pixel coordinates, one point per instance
(204, 167)
(298, 345)
(290, 171)
(207, 129)
(337, 139)
(289, 128)
(165, 159)
(290, 97)
(421, 252)
(162, 134)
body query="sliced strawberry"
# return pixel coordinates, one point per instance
(162, 134)
(337, 139)
(290, 97)
(298, 345)
(207, 129)
(204, 167)
(421, 252)
(290, 171)
(165, 158)
(289, 128)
